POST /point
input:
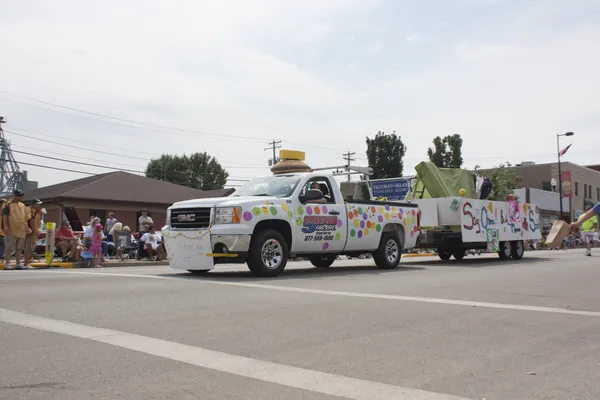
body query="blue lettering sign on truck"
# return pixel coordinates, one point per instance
(394, 189)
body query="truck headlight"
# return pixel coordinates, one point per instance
(227, 215)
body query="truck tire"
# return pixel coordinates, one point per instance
(444, 255)
(322, 261)
(268, 253)
(505, 252)
(459, 254)
(388, 255)
(198, 271)
(517, 249)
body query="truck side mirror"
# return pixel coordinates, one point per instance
(311, 195)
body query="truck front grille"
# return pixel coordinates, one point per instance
(190, 218)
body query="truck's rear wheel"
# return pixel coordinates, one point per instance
(505, 251)
(444, 255)
(459, 254)
(322, 261)
(517, 249)
(388, 255)
(268, 253)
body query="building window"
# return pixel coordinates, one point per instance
(547, 186)
(98, 213)
(576, 188)
(585, 192)
(598, 193)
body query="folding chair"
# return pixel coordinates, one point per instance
(124, 246)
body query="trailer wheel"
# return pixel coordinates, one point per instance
(444, 255)
(505, 251)
(322, 261)
(388, 255)
(518, 249)
(268, 253)
(459, 254)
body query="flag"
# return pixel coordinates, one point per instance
(564, 151)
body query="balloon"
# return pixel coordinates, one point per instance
(462, 192)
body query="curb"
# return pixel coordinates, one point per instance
(411, 255)
(86, 265)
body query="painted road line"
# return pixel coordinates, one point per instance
(300, 378)
(516, 307)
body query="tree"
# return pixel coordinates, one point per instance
(385, 153)
(503, 178)
(446, 152)
(198, 171)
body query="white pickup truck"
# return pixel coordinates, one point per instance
(270, 219)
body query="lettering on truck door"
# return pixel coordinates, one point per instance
(320, 225)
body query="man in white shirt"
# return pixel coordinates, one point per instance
(152, 243)
(145, 221)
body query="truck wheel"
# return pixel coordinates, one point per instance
(459, 254)
(444, 255)
(322, 261)
(268, 253)
(388, 255)
(517, 249)
(505, 251)
(198, 271)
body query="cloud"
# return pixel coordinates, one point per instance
(319, 75)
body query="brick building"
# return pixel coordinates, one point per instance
(123, 193)
(585, 183)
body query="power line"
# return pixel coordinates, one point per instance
(107, 167)
(169, 128)
(78, 172)
(72, 156)
(104, 152)
(145, 124)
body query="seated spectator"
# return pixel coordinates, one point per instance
(66, 241)
(152, 243)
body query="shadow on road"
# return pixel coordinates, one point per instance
(299, 273)
(478, 262)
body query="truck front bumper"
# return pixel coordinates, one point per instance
(201, 249)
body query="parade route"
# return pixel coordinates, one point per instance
(475, 329)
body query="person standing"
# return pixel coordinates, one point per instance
(110, 223)
(145, 222)
(14, 224)
(34, 215)
(590, 214)
(588, 227)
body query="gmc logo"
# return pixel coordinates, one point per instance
(186, 217)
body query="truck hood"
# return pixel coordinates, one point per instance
(225, 201)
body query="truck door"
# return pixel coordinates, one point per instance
(320, 226)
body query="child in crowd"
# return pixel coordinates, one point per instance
(96, 246)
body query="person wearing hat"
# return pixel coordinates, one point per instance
(14, 225)
(34, 215)
(145, 222)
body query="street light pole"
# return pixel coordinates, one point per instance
(560, 188)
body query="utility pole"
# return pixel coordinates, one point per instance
(274, 145)
(348, 157)
(11, 177)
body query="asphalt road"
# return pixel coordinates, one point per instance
(478, 329)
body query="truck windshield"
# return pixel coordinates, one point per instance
(277, 185)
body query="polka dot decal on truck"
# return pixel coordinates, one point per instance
(363, 220)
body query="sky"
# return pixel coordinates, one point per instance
(228, 76)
